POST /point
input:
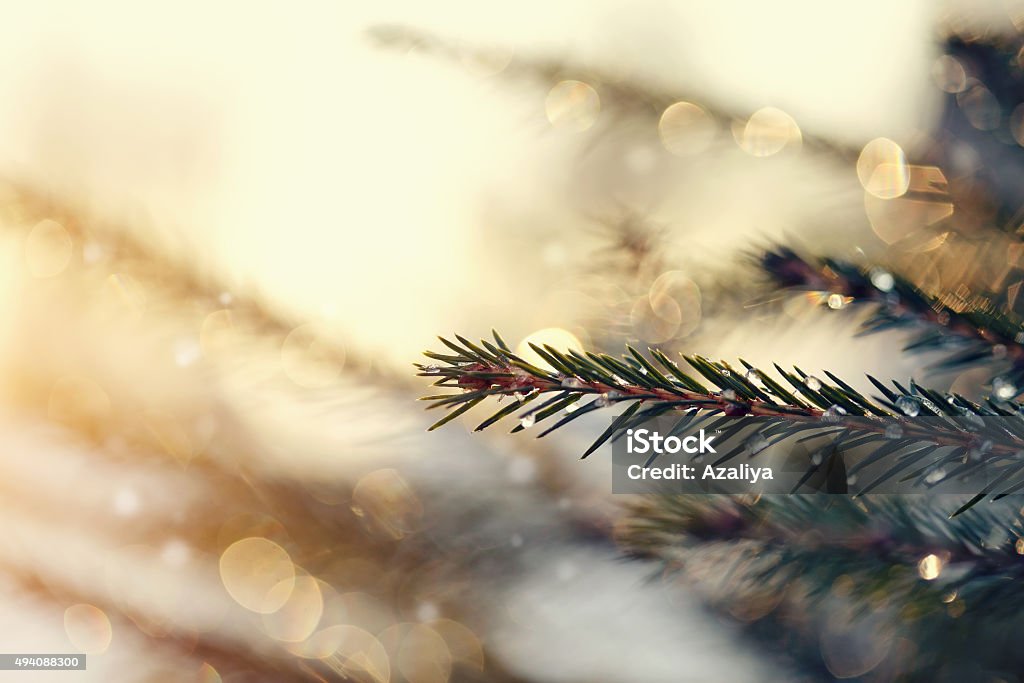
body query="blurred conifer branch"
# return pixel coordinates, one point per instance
(174, 271)
(629, 96)
(885, 529)
(796, 563)
(970, 328)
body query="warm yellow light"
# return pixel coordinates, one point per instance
(573, 105)
(297, 619)
(882, 169)
(768, 131)
(258, 574)
(686, 129)
(930, 567)
(555, 337)
(88, 628)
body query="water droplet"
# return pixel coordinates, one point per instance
(606, 399)
(981, 449)
(935, 476)
(726, 372)
(729, 395)
(754, 377)
(894, 431)
(528, 420)
(851, 480)
(572, 407)
(974, 421)
(816, 458)
(833, 414)
(572, 383)
(431, 370)
(812, 383)
(882, 280)
(836, 301)
(757, 443)
(1003, 388)
(909, 406)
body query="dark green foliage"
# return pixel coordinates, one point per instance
(889, 564)
(953, 434)
(976, 334)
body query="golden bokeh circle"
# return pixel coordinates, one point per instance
(360, 655)
(686, 129)
(258, 574)
(555, 337)
(883, 170)
(387, 504)
(464, 645)
(207, 674)
(418, 652)
(300, 615)
(768, 131)
(572, 105)
(88, 628)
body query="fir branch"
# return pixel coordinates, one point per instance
(886, 561)
(886, 528)
(656, 385)
(973, 327)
